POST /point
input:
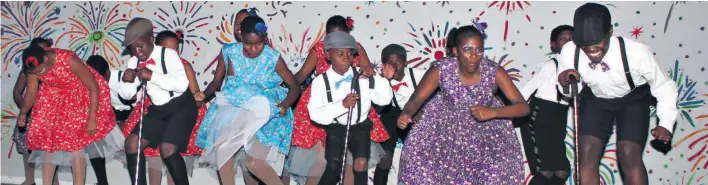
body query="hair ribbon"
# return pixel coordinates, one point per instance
(32, 60)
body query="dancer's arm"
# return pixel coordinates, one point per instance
(518, 105)
(81, 71)
(29, 99)
(544, 71)
(365, 68)
(293, 88)
(218, 78)
(19, 88)
(307, 66)
(426, 88)
(322, 111)
(176, 78)
(663, 88)
(127, 87)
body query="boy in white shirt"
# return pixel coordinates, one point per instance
(332, 98)
(404, 82)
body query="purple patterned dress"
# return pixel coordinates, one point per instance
(448, 146)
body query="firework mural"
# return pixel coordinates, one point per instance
(97, 29)
(514, 73)
(508, 7)
(697, 144)
(23, 21)
(295, 49)
(184, 16)
(430, 44)
(688, 96)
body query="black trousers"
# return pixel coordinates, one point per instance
(544, 136)
(630, 114)
(359, 146)
(389, 117)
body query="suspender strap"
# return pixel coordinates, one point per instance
(625, 64)
(395, 101)
(355, 86)
(577, 56)
(327, 88)
(164, 67)
(559, 96)
(120, 76)
(415, 84)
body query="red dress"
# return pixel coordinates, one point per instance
(61, 110)
(305, 133)
(134, 119)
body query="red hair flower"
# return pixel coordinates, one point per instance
(32, 60)
(350, 23)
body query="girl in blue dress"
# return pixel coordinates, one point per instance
(252, 110)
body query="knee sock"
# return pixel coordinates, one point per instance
(177, 168)
(381, 176)
(361, 178)
(99, 167)
(132, 160)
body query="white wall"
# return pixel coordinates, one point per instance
(675, 31)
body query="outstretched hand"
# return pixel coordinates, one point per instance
(283, 109)
(22, 120)
(661, 134)
(404, 120)
(366, 71)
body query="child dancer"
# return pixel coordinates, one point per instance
(171, 40)
(19, 134)
(170, 118)
(404, 83)
(252, 110)
(463, 136)
(332, 96)
(307, 156)
(72, 113)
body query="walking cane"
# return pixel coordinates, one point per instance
(355, 83)
(574, 94)
(140, 131)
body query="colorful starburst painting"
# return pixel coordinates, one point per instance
(295, 49)
(514, 73)
(429, 44)
(696, 142)
(184, 16)
(507, 8)
(97, 29)
(23, 21)
(688, 98)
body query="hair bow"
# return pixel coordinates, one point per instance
(51, 41)
(252, 11)
(180, 35)
(350, 23)
(32, 60)
(261, 28)
(481, 26)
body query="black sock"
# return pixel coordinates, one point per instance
(177, 168)
(555, 180)
(361, 178)
(538, 179)
(381, 176)
(99, 167)
(132, 161)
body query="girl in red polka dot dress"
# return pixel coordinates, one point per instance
(71, 112)
(170, 40)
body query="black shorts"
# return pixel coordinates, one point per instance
(548, 123)
(359, 140)
(630, 114)
(170, 123)
(121, 116)
(389, 117)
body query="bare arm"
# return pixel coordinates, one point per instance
(30, 94)
(293, 88)
(307, 67)
(426, 88)
(363, 57)
(191, 75)
(218, 77)
(81, 71)
(19, 88)
(518, 105)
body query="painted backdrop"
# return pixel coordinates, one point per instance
(518, 39)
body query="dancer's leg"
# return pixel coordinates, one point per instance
(47, 170)
(175, 163)
(318, 167)
(99, 168)
(29, 170)
(78, 165)
(591, 151)
(155, 167)
(226, 173)
(632, 132)
(263, 171)
(131, 154)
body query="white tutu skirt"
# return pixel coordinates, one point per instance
(109, 148)
(237, 130)
(311, 162)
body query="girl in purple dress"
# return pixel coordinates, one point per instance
(465, 135)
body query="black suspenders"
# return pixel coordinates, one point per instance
(355, 86)
(625, 64)
(164, 68)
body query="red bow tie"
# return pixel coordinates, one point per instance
(397, 86)
(149, 62)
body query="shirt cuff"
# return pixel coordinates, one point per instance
(668, 124)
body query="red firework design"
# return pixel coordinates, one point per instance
(430, 44)
(508, 7)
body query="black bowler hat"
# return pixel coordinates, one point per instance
(592, 23)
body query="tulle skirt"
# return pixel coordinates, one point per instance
(109, 148)
(234, 128)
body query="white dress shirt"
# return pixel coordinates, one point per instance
(160, 84)
(544, 80)
(114, 84)
(325, 113)
(613, 84)
(405, 90)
